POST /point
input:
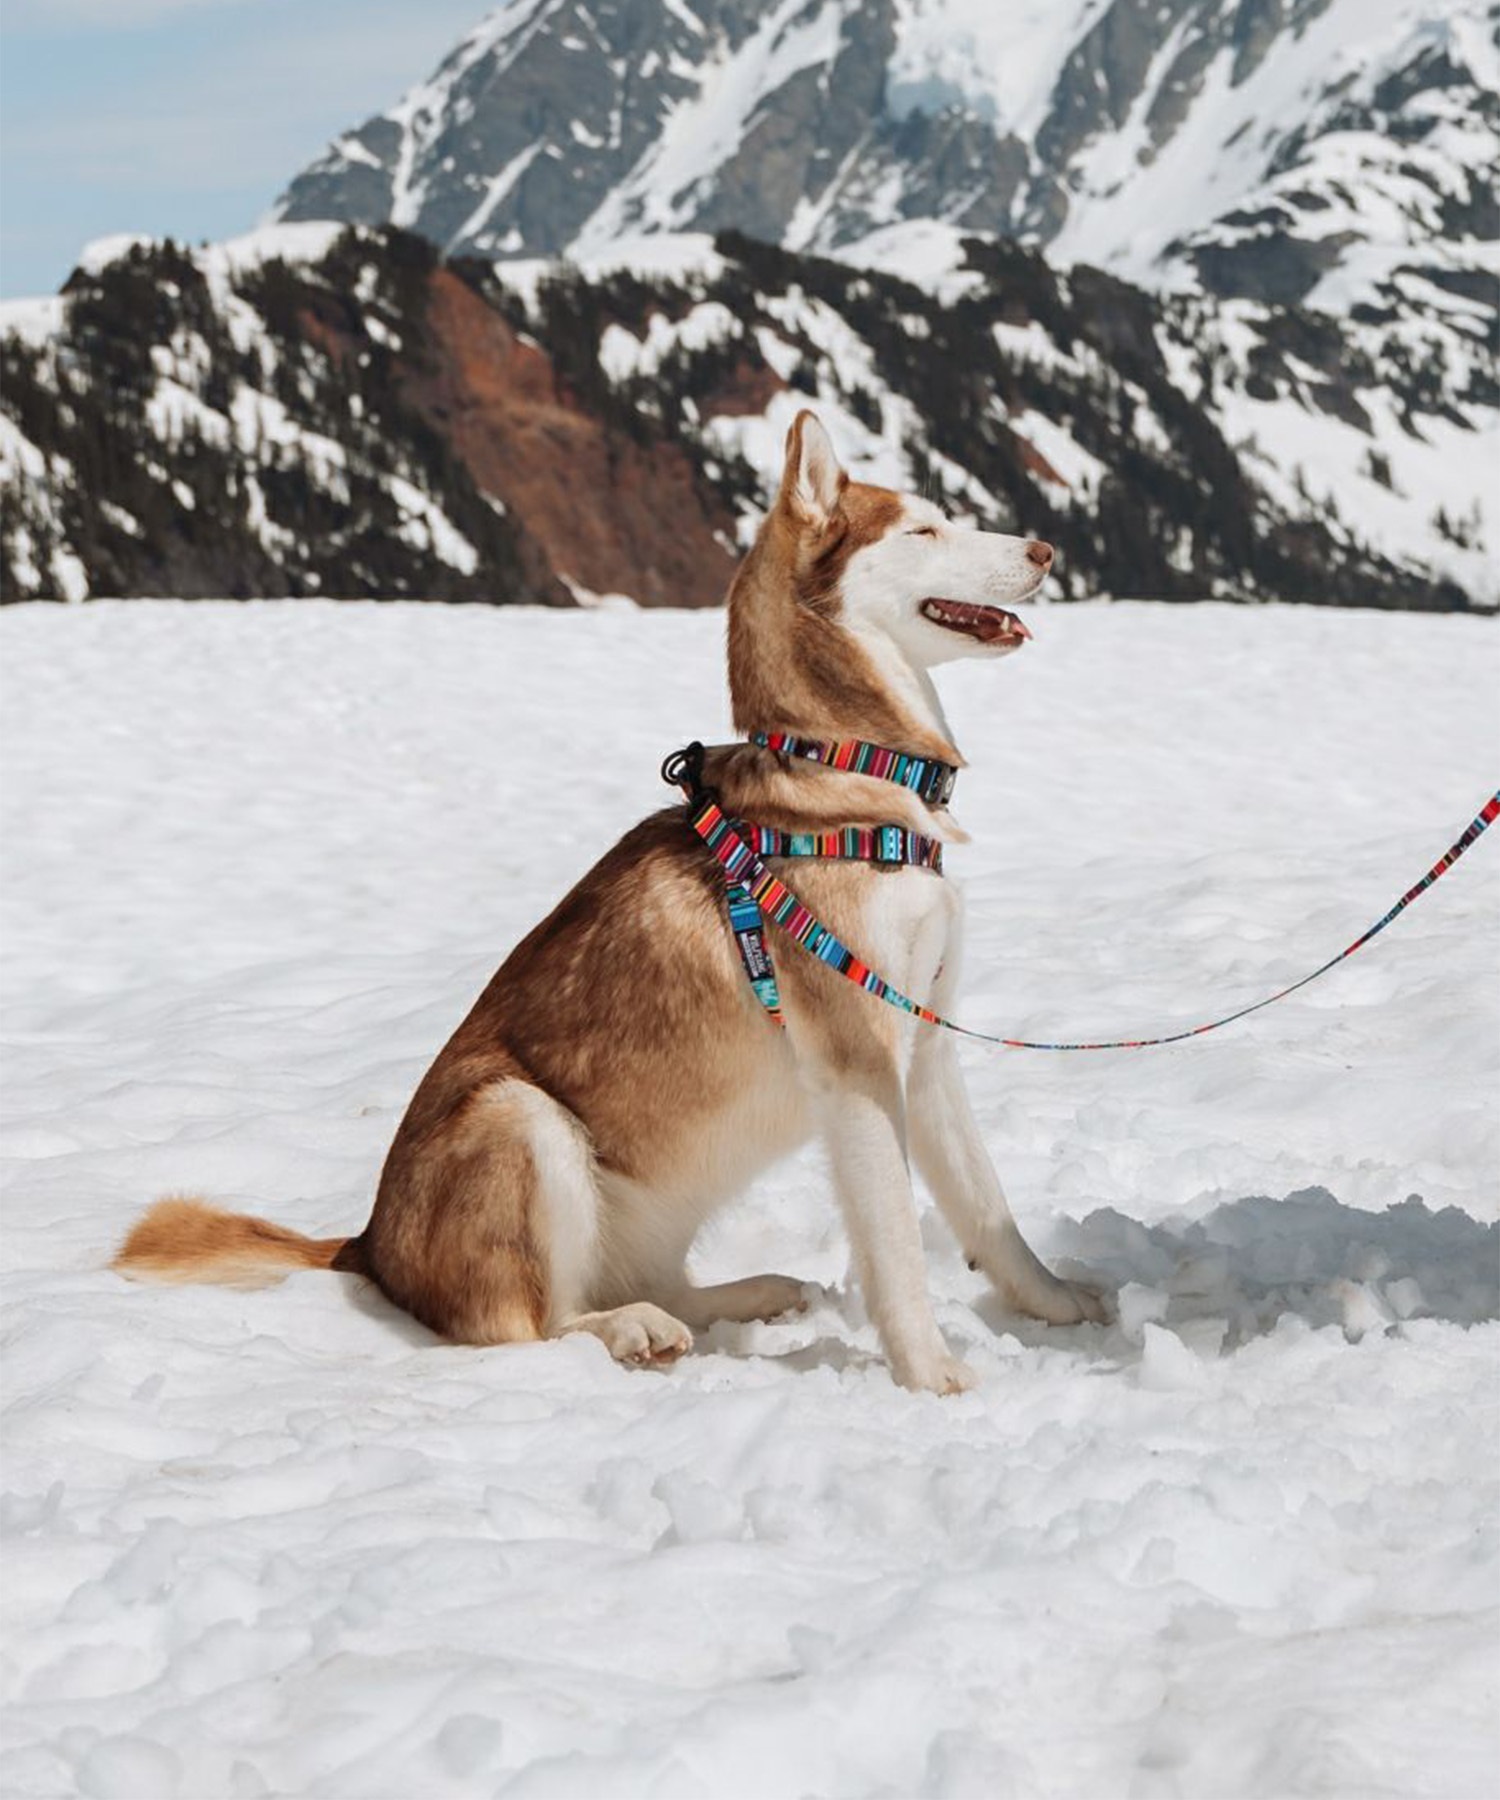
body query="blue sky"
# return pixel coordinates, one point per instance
(184, 118)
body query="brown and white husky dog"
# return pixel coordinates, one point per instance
(618, 1080)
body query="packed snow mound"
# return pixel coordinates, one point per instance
(1236, 1544)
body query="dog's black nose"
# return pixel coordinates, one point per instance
(1039, 553)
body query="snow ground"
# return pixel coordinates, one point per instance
(260, 858)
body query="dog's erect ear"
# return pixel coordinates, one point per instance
(813, 478)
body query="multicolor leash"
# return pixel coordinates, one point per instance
(754, 891)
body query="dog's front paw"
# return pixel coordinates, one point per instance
(1095, 1307)
(1076, 1303)
(943, 1374)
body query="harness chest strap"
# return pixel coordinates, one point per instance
(889, 845)
(755, 892)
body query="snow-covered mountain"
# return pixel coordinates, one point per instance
(208, 424)
(1320, 173)
(1250, 348)
(320, 409)
(1257, 143)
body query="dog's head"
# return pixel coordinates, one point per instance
(893, 565)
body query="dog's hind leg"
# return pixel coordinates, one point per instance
(486, 1226)
(573, 1246)
(577, 1248)
(487, 1229)
(951, 1157)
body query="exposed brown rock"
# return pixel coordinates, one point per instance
(612, 515)
(331, 338)
(744, 393)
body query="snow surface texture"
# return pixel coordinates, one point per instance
(284, 1543)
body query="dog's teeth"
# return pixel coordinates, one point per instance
(987, 623)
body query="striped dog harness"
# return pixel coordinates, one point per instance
(752, 890)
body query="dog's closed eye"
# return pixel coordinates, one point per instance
(922, 531)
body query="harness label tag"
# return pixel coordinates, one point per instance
(757, 958)
(748, 924)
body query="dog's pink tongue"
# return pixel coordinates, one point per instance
(996, 624)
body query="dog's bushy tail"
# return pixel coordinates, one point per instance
(182, 1239)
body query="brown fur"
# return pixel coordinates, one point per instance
(459, 1252)
(797, 670)
(792, 667)
(627, 1004)
(182, 1239)
(603, 1010)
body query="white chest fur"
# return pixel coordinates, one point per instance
(912, 926)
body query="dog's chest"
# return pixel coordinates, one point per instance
(911, 920)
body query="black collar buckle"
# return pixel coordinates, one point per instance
(939, 783)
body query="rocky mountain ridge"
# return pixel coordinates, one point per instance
(326, 411)
(558, 126)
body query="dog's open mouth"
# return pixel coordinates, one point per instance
(990, 624)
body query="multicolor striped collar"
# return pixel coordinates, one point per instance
(924, 775)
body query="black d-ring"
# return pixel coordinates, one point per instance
(684, 769)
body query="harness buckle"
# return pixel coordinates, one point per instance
(940, 784)
(889, 848)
